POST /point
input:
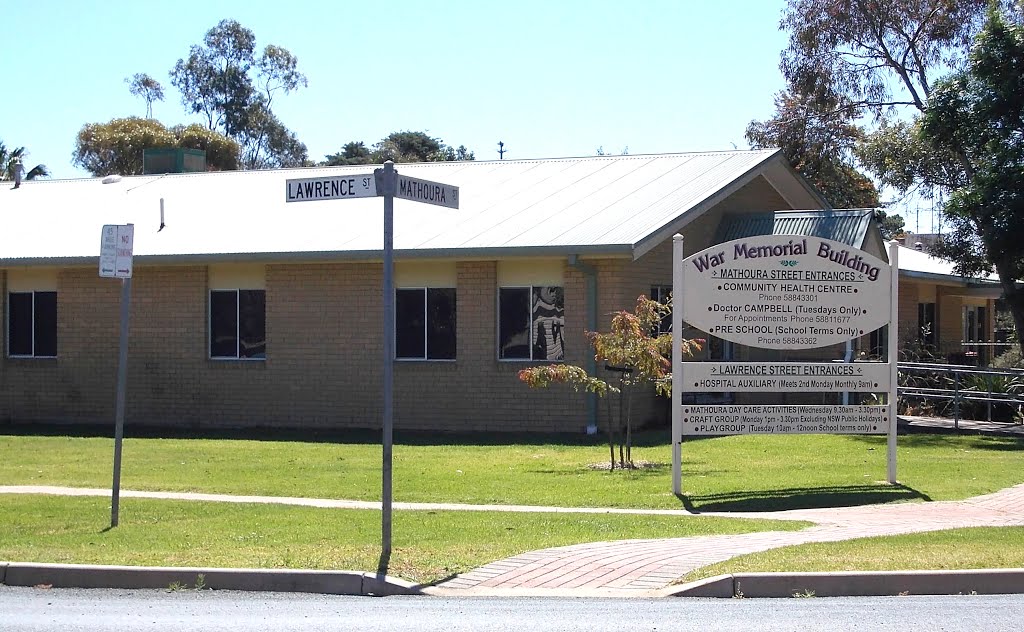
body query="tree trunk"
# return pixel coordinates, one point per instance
(611, 433)
(629, 427)
(1015, 299)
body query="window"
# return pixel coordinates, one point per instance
(531, 321)
(238, 324)
(926, 324)
(662, 294)
(425, 323)
(32, 324)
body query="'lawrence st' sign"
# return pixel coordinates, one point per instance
(786, 292)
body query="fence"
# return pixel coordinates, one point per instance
(964, 389)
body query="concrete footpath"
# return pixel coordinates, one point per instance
(623, 568)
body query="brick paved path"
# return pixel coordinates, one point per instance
(638, 566)
(635, 567)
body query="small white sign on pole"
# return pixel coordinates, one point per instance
(116, 246)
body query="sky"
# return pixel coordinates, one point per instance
(546, 78)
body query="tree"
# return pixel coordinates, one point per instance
(818, 137)
(142, 85)
(230, 85)
(11, 160)
(856, 52)
(353, 153)
(975, 117)
(636, 352)
(406, 146)
(116, 147)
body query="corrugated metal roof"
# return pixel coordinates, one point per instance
(596, 204)
(917, 263)
(848, 227)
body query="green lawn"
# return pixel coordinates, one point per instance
(747, 473)
(955, 549)
(427, 545)
(729, 473)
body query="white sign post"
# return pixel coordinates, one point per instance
(388, 183)
(784, 292)
(117, 244)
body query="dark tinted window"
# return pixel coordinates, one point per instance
(223, 323)
(46, 324)
(19, 323)
(441, 323)
(514, 323)
(252, 324)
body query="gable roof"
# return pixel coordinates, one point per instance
(596, 205)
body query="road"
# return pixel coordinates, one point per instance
(75, 610)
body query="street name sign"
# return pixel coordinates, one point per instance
(786, 292)
(116, 245)
(775, 377)
(428, 192)
(734, 419)
(330, 188)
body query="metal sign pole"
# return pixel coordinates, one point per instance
(122, 383)
(388, 184)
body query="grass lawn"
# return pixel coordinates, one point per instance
(427, 545)
(748, 473)
(955, 549)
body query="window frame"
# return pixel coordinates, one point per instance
(33, 325)
(531, 341)
(238, 357)
(426, 325)
(660, 294)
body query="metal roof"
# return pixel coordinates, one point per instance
(849, 227)
(919, 264)
(605, 204)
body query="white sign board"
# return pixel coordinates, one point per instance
(116, 245)
(331, 188)
(732, 420)
(786, 292)
(426, 191)
(776, 377)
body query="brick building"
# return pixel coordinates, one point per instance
(248, 311)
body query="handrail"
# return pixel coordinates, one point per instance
(958, 394)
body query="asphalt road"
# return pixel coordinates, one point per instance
(77, 610)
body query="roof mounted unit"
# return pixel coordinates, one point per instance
(173, 160)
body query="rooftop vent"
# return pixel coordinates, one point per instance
(173, 160)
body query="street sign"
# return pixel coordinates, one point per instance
(733, 419)
(426, 191)
(776, 377)
(330, 188)
(786, 292)
(116, 244)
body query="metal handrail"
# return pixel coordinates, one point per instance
(958, 394)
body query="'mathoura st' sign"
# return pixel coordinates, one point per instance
(786, 292)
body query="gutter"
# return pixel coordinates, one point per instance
(590, 365)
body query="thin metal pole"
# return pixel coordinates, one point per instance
(894, 293)
(389, 181)
(677, 364)
(122, 383)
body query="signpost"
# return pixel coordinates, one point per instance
(330, 188)
(388, 183)
(116, 249)
(735, 377)
(784, 292)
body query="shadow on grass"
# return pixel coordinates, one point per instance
(945, 438)
(801, 498)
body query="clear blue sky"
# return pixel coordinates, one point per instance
(547, 78)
